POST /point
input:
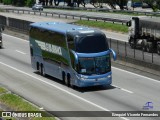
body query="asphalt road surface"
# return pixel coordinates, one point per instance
(129, 91)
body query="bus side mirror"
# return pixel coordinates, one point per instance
(128, 23)
(114, 54)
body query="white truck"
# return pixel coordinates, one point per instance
(144, 33)
(1, 29)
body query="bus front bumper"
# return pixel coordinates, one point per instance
(100, 80)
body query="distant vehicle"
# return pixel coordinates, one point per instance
(77, 55)
(137, 4)
(145, 5)
(130, 5)
(37, 7)
(1, 29)
(144, 33)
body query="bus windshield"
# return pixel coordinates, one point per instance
(96, 65)
(91, 43)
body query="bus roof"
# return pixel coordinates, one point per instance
(63, 27)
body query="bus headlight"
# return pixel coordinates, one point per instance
(109, 76)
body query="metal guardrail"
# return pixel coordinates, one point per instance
(21, 25)
(125, 52)
(66, 15)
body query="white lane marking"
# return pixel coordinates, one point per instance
(15, 37)
(98, 106)
(122, 89)
(21, 52)
(154, 80)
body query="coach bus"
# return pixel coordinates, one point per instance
(77, 55)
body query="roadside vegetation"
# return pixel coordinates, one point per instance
(154, 4)
(104, 25)
(2, 90)
(16, 103)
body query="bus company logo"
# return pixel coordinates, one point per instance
(49, 47)
(148, 105)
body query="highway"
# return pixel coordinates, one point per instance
(129, 91)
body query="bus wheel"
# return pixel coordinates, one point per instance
(67, 81)
(38, 67)
(158, 49)
(42, 70)
(63, 77)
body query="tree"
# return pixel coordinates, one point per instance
(154, 4)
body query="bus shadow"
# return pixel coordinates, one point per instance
(95, 88)
(79, 89)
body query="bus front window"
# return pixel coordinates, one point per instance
(102, 64)
(97, 65)
(86, 66)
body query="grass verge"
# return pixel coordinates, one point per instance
(104, 25)
(17, 103)
(2, 90)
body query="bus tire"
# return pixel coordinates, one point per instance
(42, 70)
(67, 81)
(38, 67)
(149, 47)
(63, 77)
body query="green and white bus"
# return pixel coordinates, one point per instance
(77, 55)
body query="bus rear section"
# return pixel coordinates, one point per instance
(79, 56)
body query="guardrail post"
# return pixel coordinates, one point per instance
(125, 49)
(40, 13)
(110, 43)
(134, 52)
(143, 54)
(152, 56)
(66, 16)
(46, 13)
(73, 16)
(117, 47)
